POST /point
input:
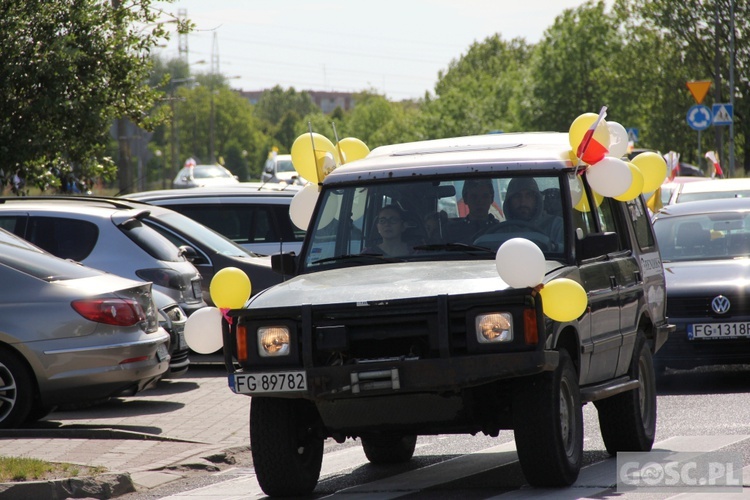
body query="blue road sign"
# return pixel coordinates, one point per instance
(699, 117)
(722, 114)
(632, 135)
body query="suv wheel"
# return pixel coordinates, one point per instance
(389, 449)
(628, 420)
(548, 426)
(287, 452)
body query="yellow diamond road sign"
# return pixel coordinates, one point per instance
(699, 90)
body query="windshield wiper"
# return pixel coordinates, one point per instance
(454, 247)
(365, 257)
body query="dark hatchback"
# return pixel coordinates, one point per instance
(206, 249)
(705, 248)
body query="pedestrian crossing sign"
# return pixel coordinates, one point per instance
(722, 114)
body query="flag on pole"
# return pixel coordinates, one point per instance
(591, 150)
(718, 172)
(673, 162)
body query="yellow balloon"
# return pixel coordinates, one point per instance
(230, 288)
(352, 149)
(653, 167)
(563, 299)
(579, 127)
(309, 156)
(636, 187)
(583, 204)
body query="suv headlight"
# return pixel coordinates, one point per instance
(273, 341)
(492, 328)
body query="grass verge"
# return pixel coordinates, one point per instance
(18, 469)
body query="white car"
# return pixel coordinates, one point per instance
(191, 176)
(712, 190)
(279, 169)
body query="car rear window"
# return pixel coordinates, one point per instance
(66, 238)
(151, 241)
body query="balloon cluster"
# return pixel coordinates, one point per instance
(520, 263)
(314, 157)
(230, 288)
(601, 145)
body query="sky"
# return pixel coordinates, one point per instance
(392, 47)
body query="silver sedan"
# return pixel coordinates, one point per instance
(70, 334)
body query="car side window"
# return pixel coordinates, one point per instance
(66, 238)
(639, 217)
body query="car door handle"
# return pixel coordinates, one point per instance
(613, 282)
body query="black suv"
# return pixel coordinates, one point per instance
(385, 340)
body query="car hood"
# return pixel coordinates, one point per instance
(386, 282)
(701, 276)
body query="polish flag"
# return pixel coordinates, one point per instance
(718, 172)
(590, 150)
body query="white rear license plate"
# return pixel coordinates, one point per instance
(719, 330)
(161, 352)
(259, 383)
(197, 292)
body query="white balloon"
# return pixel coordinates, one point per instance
(203, 330)
(609, 177)
(520, 263)
(302, 205)
(618, 140)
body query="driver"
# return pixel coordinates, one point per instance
(524, 204)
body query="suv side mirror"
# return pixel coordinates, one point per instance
(284, 263)
(596, 245)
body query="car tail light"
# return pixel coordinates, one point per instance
(168, 278)
(111, 311)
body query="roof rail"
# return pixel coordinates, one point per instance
(116, 203)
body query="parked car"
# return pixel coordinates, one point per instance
(70, 334)
(279, 168)
(105, 237)
(203, 175)
(172, 318)
(712, 189)
(705, 249)
(671, 187)
(397, 323)
(206, 249)
(254, 216)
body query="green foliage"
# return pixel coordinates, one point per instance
(68, 69)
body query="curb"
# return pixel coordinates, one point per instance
(99, 487)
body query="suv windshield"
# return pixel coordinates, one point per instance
(431, 219)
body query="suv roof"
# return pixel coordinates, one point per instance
(461, 154)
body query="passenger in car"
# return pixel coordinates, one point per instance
(391, 224)
(478, 195)
(524, 206)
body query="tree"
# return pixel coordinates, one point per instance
(701, 31)
(67, 70)
(478, 91)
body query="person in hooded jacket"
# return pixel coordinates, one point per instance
(524, 208)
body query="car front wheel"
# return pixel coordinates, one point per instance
(287, 452)
(548, 426)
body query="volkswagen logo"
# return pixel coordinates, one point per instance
(720, 304)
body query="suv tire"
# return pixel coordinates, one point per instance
(548, 426)
(389, 449)
(628, 420)
(287, 452)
